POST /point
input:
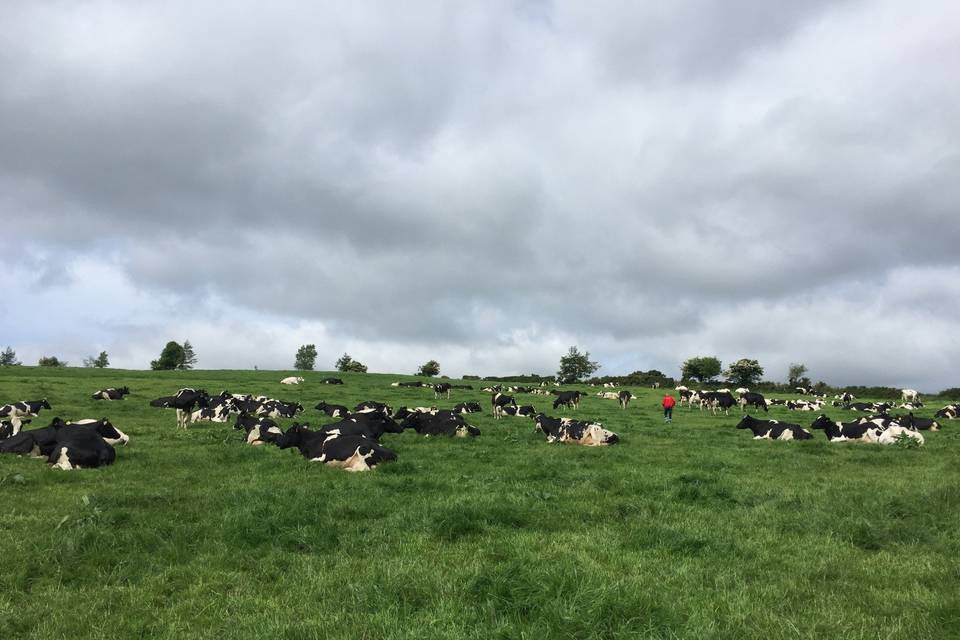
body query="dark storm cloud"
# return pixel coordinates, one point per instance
(514, 173)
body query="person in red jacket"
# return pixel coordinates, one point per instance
(668, 403)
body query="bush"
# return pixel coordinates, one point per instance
(51, 361)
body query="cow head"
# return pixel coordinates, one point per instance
(293, 436)
(44, 404)
(822, 422)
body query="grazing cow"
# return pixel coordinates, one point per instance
(331, 381)
(524, 410)
(258, 430)
(348, 452)
(574, 431)
(624, 397)
(569, 399)
(24, 409)
(468, 407)
(111, 393)
(753, 399)
(499, 401)
(909, 395)
(950, 412)
(608, 395)
(773, 429)
(333, 410)
(442, 423)
(441, 389)
(910, 421)
(292, 380)
(843, 431)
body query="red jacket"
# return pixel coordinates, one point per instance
(668, 402)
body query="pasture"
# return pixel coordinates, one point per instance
(689, 530)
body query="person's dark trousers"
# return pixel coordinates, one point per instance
(668, 414)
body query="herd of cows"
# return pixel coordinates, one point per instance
(353, 442)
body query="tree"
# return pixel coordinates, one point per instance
(796, 375)
(100, 362)
(306, 357)
(576, 365)
(429, 369)
(744, 372)
(8, 358)
(189, 357)
(701, 369)
(346, 363)
(51, 361)
(170, 358)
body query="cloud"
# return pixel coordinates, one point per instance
(492, 183)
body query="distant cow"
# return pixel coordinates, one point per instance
(333, 410)
(498, 401)
(441, 389)
(911, 406)
(280, 409)
(184, 401)
(608, 395)
(624, 397)
(570, 431)
(741, 390)
(846, 397)
(372, 406)
(348, 452)
(750, 398)
(910, 421)
(442, 423)
(524, 410)
(909, 395)
(570, 399)
(111, 393)
(292, 380)
(774, 429)
(331, 381)
(468, 407)
(258, 430)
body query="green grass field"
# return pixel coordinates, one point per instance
(686, 531)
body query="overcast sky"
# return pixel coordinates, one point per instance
(486, 184)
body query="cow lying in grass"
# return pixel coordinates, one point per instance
(949, 412)
(69, 445)
(468, 407)
(24, 409)
(865, 430)
(333, 410)
(441, 423)
(348, 452)
(571, 431)
(521, 411)
(258, 430)
(111, 393)
(774, 429)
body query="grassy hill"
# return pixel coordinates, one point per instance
(691, 530)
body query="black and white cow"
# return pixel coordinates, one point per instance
(441, 389)
(331, 381)
(949, 412)
(773, 429)
(909, 395)
(499, 401)
(624, 397)
(403, 412)
(111, 393)
(280, 409)
(468, 407)
(406, 384)
(846, 397)
(79, 448)
(442, 423)
(803, 405)
(877, 407)
(185, 401)
(523, 410)
(348, 452)
(570, 431)
(911, 406)
(750, 398)
(257, 430)
(333, 410)
(568, 399)
(722, 400)
(910, 421)
(608, 395)
(24, 409)
(843, 431)
(219, 413)
(686, 396)
(372, 406)
(40, 442)
(12, 427)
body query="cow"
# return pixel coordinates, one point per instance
(406, 384)
(372, 406)
(442, 423)
(219, 413)
(333, 410)
(773, 429)
(41, 442)
(846, 397)
(11, 427)
(910, 421)
(608, 395)
(258, 430)
(80, 449)
(462, 386)
(655, 385)
(524, 410)
(292, 380)
(348, 452)
(111, 393)
(468, 407)
(878, 407)
(569, 399)
(104, 428)
(280, 409)
(331, 381)
(624, 397)
(184, 401)
(375, 423)
(403, 412)
(894, 433)
(441, 389)
(753, 399)
(740, 391)
(803, 405)
(911, 406)
(498, 401)
(950, 412)
(686, 396)
(802, 390)
(843, 431)
(717, 400)
(570, 431)
(24, 409)
(611, 385)
(909, 395)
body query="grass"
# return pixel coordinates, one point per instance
(686, 531)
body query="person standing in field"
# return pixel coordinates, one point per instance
(668, 403)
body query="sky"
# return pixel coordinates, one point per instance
(486, 184)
